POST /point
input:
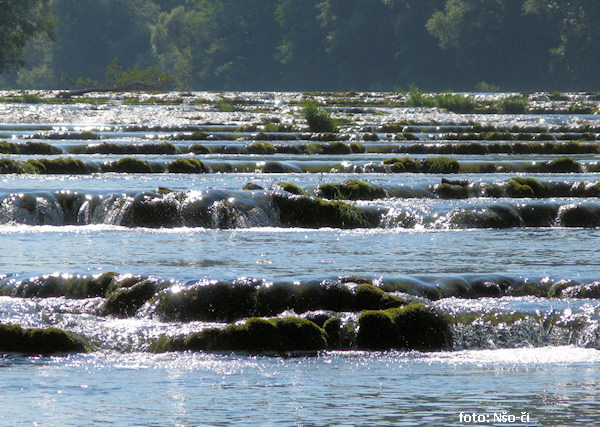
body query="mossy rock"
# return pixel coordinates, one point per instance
(8, 148)
(199, 149)
(440, 165)
(313, 149)
(527, 187)
(580, 216)
(451, 191)
(562, 165)
(402, 164)
(187, 166)
(360, 190)
(256, 335)
(153, 211)
(556, 290)
(302, 211)
(250, 186)
(38, 148)
(336, 147)
(261, 148)
(413, 327)
(9, 166)
(292, 188)
(125, 302)
(64, 165)
(369, 297)
(220, 301)
(132, 165)
(89, 286)
(591, 291)
(275, 298)
(357, 148)
(16, 339)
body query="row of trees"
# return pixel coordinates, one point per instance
(306, 44)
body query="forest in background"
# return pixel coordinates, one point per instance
(465, 45)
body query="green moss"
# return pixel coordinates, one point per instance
(9, 166)
(87, 134)
(261, 148)
(132, 165)
(450, 191)
(562, 165)
(402, 164)
(126, 302)
(369, 297)
(224, 106)
(292, 188)
(580, 216)
(357, 148)
(351, 190)
(336, 147)
(87, 286)
(297, 211)
(64, 165)
(440, 165)
(220, 301)
(256, 335)
(413, 327)
(313, 149)
(187, 166)
(199, 149)
(556, 290)
(275, 298)
(527, 187)
(8, 148)
(15, 339)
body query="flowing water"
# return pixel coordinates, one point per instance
(517, 269)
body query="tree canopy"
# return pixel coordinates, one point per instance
(306, 44)
(20, 21)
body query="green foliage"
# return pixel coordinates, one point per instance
(132, 77)
(224, 106)
(417, 99)
(21, 21)
(455, 103)
(513, 105)
(318, 119)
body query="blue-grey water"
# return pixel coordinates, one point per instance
(509, 374)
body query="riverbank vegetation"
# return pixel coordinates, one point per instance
(465, 45)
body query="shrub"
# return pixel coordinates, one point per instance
(318, 119)
(513, 105)
(455, 103)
